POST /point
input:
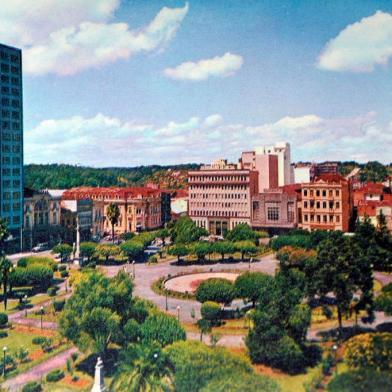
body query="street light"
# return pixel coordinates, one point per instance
(167, 305)
(25, 304)
(42, 313)
(250, 261)
(335, 351)
(178, 312)
(133, 269)
(4, 351)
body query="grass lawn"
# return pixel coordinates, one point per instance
(22, 336)
(13, 304)
(66, 384)
(230, 327)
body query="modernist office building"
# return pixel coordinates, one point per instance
(11, 143)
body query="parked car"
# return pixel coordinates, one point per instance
(40, 247)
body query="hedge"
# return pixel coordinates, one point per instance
(3, 319)
(55, 375)
(34, 275)
(32, 386)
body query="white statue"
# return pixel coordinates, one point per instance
(99, 385)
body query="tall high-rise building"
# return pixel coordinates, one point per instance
(282, 150)
(11, 143)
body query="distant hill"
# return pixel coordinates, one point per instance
(56, 176)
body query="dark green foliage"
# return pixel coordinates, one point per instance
(241, 382)
(211, 311)
(39, 340)
(224, 248)
(280, 324)
(241, 232)
(35, 260)
(201, 250)
(196, 365)
(87, 249)
(64, 274)
(217, 290)
(3, 334)
(248, 285)
(132, 331)
(361, 381)
(185, 231)
(246, 248)
(57, 176)
(178, 250)
(34, 275)
(55, 375)
(52, 291)
(127, 236)
(341, 267)
(32, 386)
(132, 249)
(373, 172)
(64, 250)
(162, 328)
(58, 306)
(3, 320)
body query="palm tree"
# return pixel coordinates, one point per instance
(143, 368)
(5, 269)
(113, 213)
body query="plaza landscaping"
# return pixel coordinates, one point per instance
(211, 291)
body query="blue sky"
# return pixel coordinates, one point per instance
(123, 83)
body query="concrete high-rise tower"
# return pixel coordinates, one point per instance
(11, 143)
(282, 150)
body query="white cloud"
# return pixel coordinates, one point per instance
(107, 141)
(24, 22)
(360, 46)
(213, 120)
(83, 38)
(219, 66)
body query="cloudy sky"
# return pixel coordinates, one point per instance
(127, 82)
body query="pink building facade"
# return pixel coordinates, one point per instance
(265, 165)
(220, 197)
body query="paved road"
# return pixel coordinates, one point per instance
(39, 371)
(146, 275)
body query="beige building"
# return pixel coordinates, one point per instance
(325, 204)
(41, 222)
(220, 196)
(140, 207)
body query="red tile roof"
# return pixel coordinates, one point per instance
(116, 193)
(292, 189)
(331, 178)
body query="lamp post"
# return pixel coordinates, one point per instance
(4, 351)
(66, 285)
(250, 261)
(133, 269)
(178, 312)
(166, 303)
(25, 304)
(42, 313)
(335, 351)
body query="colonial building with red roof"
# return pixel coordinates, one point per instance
(325, 204)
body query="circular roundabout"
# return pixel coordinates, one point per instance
(190, 283)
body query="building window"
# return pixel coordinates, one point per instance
(273, 213)
(337, 193)
(305, 204)
(305, 192)
(337, 218)
(306, 218)
(337, 204)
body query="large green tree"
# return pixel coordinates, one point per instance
(6, 268)
(143, 368)
(343, 268)
(280, 323)
(185, 231)
(224, 248)
(249, 284)
(242, 232)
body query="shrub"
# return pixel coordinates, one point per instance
(32, 386)
(3, 320)
(38, 340)
(217, 290)
(36, 260)
(52, 291)
(370, 350)
(3, 334)
(162, 328)
(62, 267)
(361, 380)
(58, 306)
(64, 274)
(55, 375)
(153, 260)
(210, 311)
(46, 345)
(32, 275)
(74, 356)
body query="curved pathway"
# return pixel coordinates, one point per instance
(146, 275)
(39, 371)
